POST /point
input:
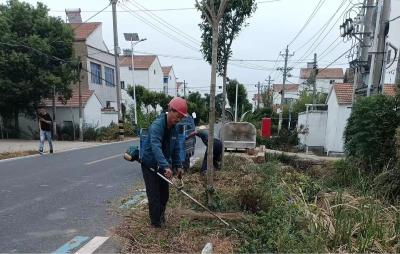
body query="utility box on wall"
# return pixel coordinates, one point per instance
(266, 125)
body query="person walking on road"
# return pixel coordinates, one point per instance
(161, 151)
(45, 124)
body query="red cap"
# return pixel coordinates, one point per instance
(178, 104)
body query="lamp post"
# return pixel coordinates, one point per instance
(133, 37)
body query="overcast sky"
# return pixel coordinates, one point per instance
(269, 30)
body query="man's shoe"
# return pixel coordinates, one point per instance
(41, 151)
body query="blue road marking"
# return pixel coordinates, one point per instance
(76, 242)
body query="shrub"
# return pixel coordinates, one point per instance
(369, 134)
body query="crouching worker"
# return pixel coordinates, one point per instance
(217, 151)
(161, 152)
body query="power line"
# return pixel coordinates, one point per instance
(166, 24)
(316, 9)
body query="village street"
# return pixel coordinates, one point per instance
(48, 200)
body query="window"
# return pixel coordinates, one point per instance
(165, 80)
(154, 72)
(109, 76)
(95, 70)
(122, 84)
(332, 81)
(108, 104)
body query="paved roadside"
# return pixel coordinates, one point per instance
(304, 156)
(16, 145)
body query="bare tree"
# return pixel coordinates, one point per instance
(213, 10)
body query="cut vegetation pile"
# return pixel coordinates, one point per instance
(291, 207)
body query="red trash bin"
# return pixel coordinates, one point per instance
(266, 124)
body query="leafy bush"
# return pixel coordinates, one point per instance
(369, 134)
(284, 141)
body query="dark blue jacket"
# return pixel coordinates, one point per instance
(161, 148)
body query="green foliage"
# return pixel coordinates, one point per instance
(306, 97)
(198, 104)
(370, 130)
(35, 54)
(233, 20)
(145, 120)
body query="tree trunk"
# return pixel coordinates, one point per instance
(223, 111)
(210, 165)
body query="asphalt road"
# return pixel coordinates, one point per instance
(46, 201)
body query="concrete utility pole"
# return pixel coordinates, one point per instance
(397, 79)
(258, 95)
(117, 77)
(80, 102)
(271, 102)
(285, 72)
(366, 42)
(54, 113)
(378, 53)
(236, 100)
(184, 89)
(315, 73)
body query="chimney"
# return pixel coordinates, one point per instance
(73, 15)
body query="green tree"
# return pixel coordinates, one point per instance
(306, 97)
(236, 13)
(370, 131)
(35, 54)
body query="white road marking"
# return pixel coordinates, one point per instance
(107, 158)
(92, 245)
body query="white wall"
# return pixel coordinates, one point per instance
(171, 85)
(316, 124)
(336, 124)
(107, 118)
(323, 85)
(156, 76)
(394, 38)
(103, 91)
(141, 77)
(95, 39)
(92, 112)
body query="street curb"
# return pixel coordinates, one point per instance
(68, 150)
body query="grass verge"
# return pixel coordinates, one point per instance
(277, 207)
(9, 155)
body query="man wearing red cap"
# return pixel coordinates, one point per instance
(161, 151)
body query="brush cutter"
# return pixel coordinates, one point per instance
(132, 154)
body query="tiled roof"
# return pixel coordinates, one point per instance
(141, 62)
(288, 87)
(390, 89)
(166, 70)
(74, 101)
(329, 73)
(344, 93)
(83, 30)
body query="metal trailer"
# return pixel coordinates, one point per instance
(239, 135)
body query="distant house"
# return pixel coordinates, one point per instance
(339, 103)
(320, 128)
(169, 80)
(291, 93)
(179, 89)
(97, 80)
(147, 71)
(325, 78)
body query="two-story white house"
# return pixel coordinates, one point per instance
(324, 79)
(169, 80)
(147, 71)
(97, 80)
